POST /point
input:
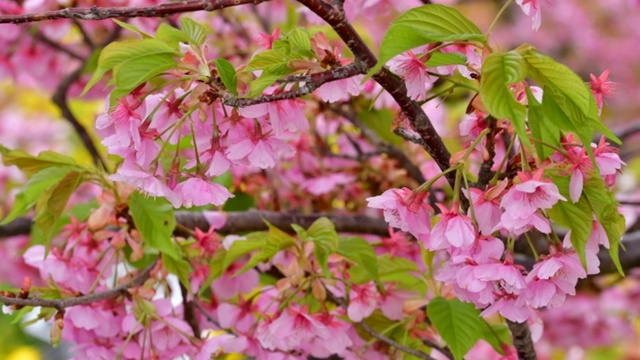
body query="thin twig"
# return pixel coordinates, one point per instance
(333, 14)
(61, 304)
(394, 152)
(60, 99)
(395, 344)
(312, 82)
(56, 46)
(101, 13)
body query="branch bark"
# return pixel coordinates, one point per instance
(61, 304)
(101, 13)
(333, 14)
(521, 335)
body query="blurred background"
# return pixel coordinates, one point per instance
(590, 36)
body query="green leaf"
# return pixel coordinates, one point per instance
(264, 81)
(119, 54)
(361, 252)
(254, 241)
(277, 240)
(576, 217)
(155, 220)
(380, 121)
(541, 127)
(132, 28)
(496, 336)
(196, 33)
(239, 202)
(424, 25)
(32, 191)
(299, 39)
(443, 59)
(228, 75)
(273, 62)
(388, 267)
(325, 239)
(52, 203)
(571, 97)
(458, 323)
(30, 164)
(130, 75)
(498, 72)
(605, 206)
(171, 36)
(179, 267)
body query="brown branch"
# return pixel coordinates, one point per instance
(485, 174)
(61, 304)
(56, 46)
(392, 151)
(239, 222)
(312, 82)
(521, 335)
(101, 13)
(60, 99)
(333, 14)
(395, 344)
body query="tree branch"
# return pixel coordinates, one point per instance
(393, 343)
(522, 340)
(392, 151)
(312, 82)
(61, 304)
(333, 14)
(101, 13)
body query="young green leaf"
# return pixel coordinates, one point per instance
(132, 28)
(130, 75)
(424, 25)
(576, 217)
(228, 75)
(119, 54)
(277, 240)
(496, 336)
(299, 39)
(458, 323)
(30, 164)
(155, 220)
(195, 31)
(361, 252)
(605, 206)
(498, 72)
(572, 99)
(179, 267)
(52, 202)
(325, 239)
(443, 59)
(39, 183)
(542, 128)
(171, 36)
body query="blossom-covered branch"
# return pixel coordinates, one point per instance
(334, 15)
(61, 304)
(312, 82)
(101, 13)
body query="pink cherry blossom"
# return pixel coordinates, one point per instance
(363, 300)
(405, 210)
(198, 192)
(531, 8)
(414, 72)
(532, 194)
(453, 229)
(601, 87)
